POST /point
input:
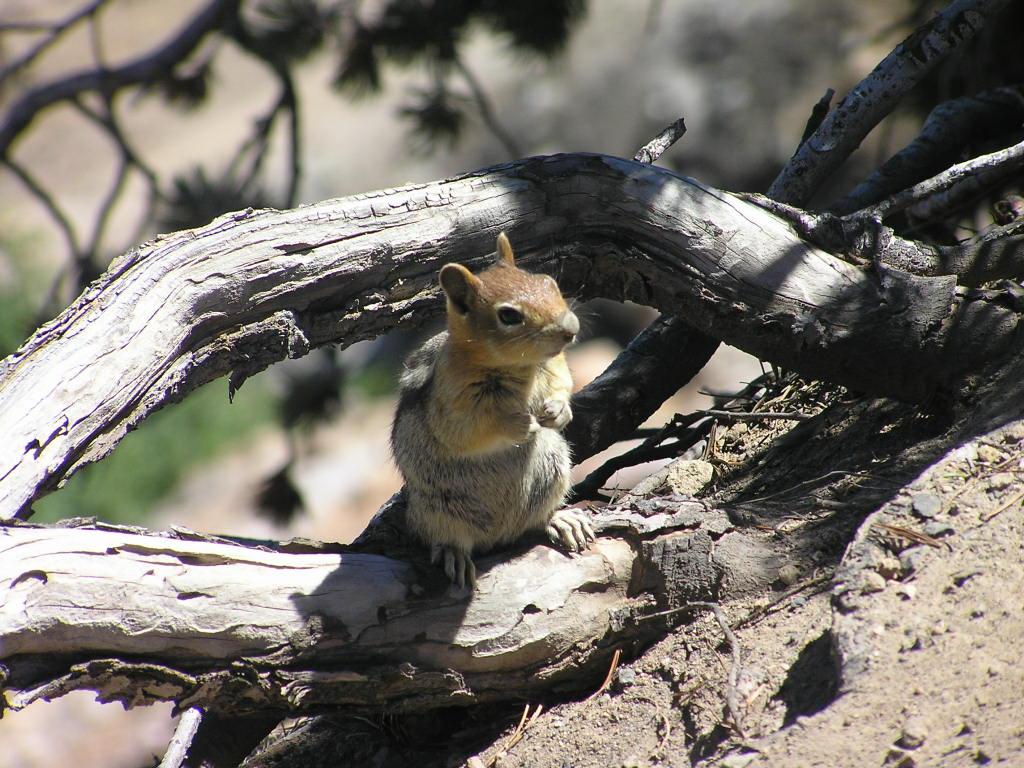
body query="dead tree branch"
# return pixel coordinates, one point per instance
(949, 128)
(1009, 159)
(843, 129)
(255, 287)
(136, 72)
(235, 629)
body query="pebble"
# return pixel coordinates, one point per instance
(789, 574)
(737, 761)
(926, 505)
(907, 591)
(988, 454)
(889, 568)
(914, 733)
(911, 559)
(626, 676)
(1000, 480)
(873, 582)
(935, 529)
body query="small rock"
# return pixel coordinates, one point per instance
(474, 762)
(907, 591)
(936, 530)
(799, 601)
(789, 574)
(688, 477)
(914, 733)
(1000, 480)
(911, 559)
(889, 568)
(737, 761)
(873, 582)
(926, 505)
(625, 677)
(988, 454)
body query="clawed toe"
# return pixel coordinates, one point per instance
(458, 565)
(571, 529)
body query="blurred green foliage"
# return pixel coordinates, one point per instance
(150, 461)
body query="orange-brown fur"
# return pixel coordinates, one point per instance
(477, 431)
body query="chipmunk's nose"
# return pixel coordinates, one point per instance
(570, 325)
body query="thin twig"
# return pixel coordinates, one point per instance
(177, 749)
(517, 735)
(290, 102)
(55, 211)
(483, 105)
(1014, 500)
(650, 450)
(656, 147)
(606, 684)
(55, 31)
(1010, 157)
(758, 415)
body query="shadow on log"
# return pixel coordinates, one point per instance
(239, 627)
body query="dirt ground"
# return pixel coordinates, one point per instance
(895, 643)
(909, 656)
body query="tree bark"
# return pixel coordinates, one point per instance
(238, 629)
(255, 287)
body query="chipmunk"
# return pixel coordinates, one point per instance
(477, 431)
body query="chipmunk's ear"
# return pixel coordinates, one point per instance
(460, 286)
(505, 255)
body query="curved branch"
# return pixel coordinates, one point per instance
(252, 288)
(876, 95)
(949, 128)
(153, 64)
(54, 31)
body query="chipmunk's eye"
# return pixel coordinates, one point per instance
(510, 316)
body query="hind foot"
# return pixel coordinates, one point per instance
(457, 564)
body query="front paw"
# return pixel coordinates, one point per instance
(555, 413)
(522, 426)
(571, 529)
(458, 565)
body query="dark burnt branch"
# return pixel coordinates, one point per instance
(656, 147)
(655, 365)
(1007, 160)
(142, 70)
(877, 95)
(818, 113)
(994, 255)
(949, 129)
(651, 449)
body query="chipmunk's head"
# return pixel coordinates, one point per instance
(508, 316)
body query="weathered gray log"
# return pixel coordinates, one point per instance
(140, 617)
(255, 287)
